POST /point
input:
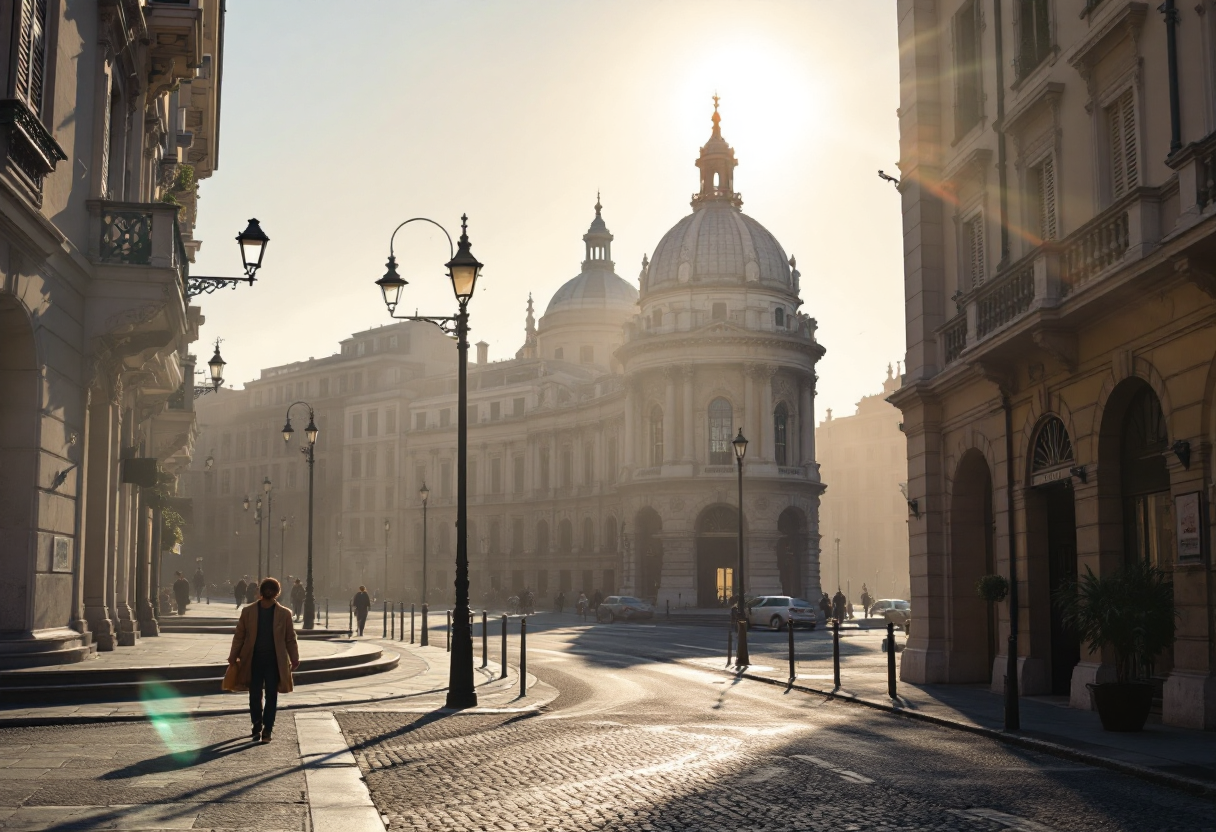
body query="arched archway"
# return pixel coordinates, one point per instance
(717, 554)
(649, 552)
(1051, 551)
(565, 538)
(791, 550)
(973, 640)
(18, 462)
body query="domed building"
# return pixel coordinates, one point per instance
(600, 455)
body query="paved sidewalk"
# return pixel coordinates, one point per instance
(1182, 756)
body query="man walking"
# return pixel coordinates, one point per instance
(265, 652)
(251, 592)
(838, 605)
(181, 591)
(362, 602)
(199, 583)
(867, 600)
(297, 600)
(239, 591)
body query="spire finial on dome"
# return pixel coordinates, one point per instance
(597, 203)
(716, 118)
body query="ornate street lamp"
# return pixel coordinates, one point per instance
(216, 366)
(463, 270)
(252, 242)
(386, 558)
(742, 659)
(257, 521)
(266, 488)
(309, 451)
(425, 494)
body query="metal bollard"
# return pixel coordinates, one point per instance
(426, 639)
(789, 625)
(891, 660)
(384, 621)
(730, 639)
(411, 623)
(523, 657)
(836, 651)
(392, 614)
(402, 634)
(449, 647)
(327, 613)
(504, 646)
(669, 609)
(485, 641)
(350, 619)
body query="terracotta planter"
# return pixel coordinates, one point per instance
(1122, 706)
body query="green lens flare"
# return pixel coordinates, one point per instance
(176, 730)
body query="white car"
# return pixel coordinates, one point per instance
(776, 611)
(894, 611)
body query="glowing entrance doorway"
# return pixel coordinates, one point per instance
(726, 584)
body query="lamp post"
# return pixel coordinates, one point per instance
(425, 494)
(386, 527)
(340, 582)
(216, 367)
(309, 451)
(742, 659)
(463, 270)
(838, 564)
(253, 245)
(257, 521)
(266, 488)
(282, 547)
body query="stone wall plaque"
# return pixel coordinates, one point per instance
(61, 554)
(1188, 509)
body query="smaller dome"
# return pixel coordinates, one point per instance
(594, 288)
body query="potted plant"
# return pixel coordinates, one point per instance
(1131, 611)
(992, 588)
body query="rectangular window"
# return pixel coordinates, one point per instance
(343, 384)
(445, 417)
(356, 382)
(419, 476)
(371, 463)
(225, 481)
(1042, 182)
(390, 421)
(388, 498)
(1121, 135)
(352, 500)
(495, 411)
(588, 464)
(517, 475)
(356, 426)
(974, 258)
(968, 90)
(419, 421)
(496, 475)
(373, 422)
(544, 468)
(517, 407)
(718, 312)
(472, 475)
(1034, 35)
(356, 465)
(471, 414)
(324, 387)
(517, 536)
(445, 479)
(257, 399)
(567, 467)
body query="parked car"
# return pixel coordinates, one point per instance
(893, 610)
(776, 611)
(624, 608)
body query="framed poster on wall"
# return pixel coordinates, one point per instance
(1188, 509)
(61, 554)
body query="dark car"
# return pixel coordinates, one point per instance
(624, 608)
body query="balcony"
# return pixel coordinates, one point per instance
(1055, 274)
(28, 150)
(137, 234)
(1196, 167)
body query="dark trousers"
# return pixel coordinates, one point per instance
(264, 676)
(361, 618)
(182, 601)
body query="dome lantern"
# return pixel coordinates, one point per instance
(598, 240)
(717, 165)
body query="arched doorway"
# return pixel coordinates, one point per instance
(717, 555)
(791, 550)
(649, 552)
(1051, 522)
(18, 462)
(973, 632)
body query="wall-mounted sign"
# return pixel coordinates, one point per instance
(1048, 477)
(61, 554)
(1188, 509)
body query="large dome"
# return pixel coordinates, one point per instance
(718, 243)
(594, 288)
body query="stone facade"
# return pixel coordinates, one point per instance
(863, 456)
(1058, 400)
(110, 119)
(599, 456)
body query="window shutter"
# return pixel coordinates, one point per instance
(974, 241)
(1047, 200)
(31, 54)
(1115, 127)
(1130, 156)
(1124, 160)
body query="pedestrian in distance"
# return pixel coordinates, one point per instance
(238, 591)
(825, 606)
(560, 602)
(838, 605)
(297, 600)
(582, 605)
(251, 592)
(867, 600)
(362, 602)
(264, 652)
(181, 591)
(199, 582)
(596, 600)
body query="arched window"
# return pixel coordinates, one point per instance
(588, 536)
(565, 537)
(779, 318)
(656, 436)
(610, 535)
(656, 318)
(720, 420)
(542, 538)
(781, 418)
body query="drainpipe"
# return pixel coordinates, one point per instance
(1171, 50)
(1002, 176)
(1013, 720)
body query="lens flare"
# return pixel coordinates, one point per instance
(177, 732)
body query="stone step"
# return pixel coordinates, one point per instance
(153, 685)
(62, 646)
(227, 630)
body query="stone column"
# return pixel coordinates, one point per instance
(630, 428)
(689, 410)
(669, 416)
(763, 576)
(101, 475)
(553, 453)
(806, 422)
(144, 554)
(124, 546)
(767, 450)
(749, 404)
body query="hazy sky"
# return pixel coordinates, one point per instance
(340, 120)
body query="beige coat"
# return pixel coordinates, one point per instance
(286, 650)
